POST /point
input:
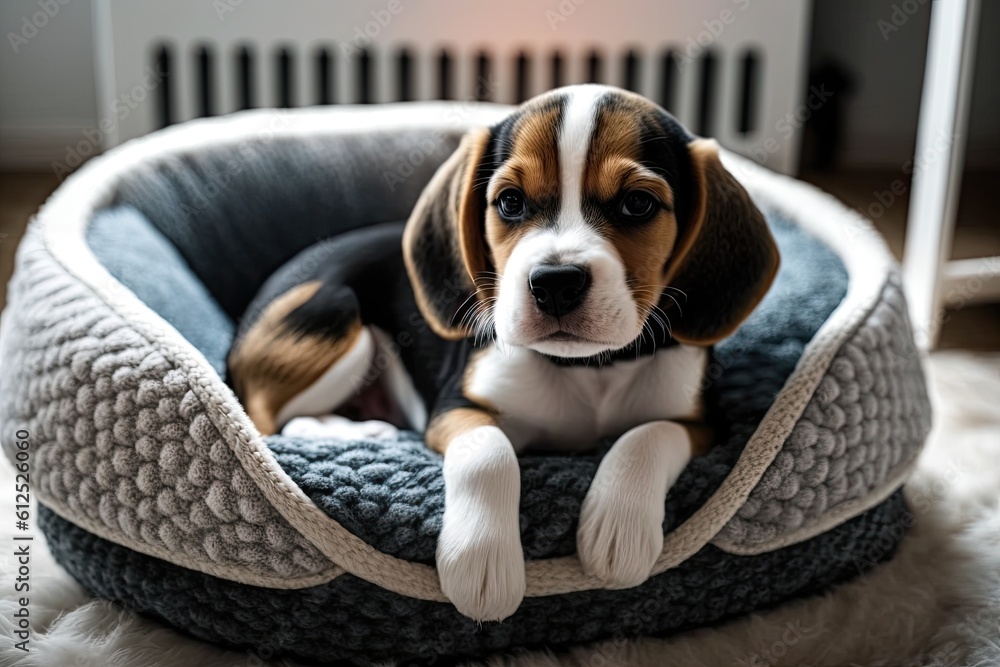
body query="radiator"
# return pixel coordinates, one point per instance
(730, 69)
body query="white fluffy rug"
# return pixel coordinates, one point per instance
(936, 603)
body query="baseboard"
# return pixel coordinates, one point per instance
(45, 146)
(896, 151)
(983, 153)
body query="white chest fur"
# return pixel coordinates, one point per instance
(574, 406)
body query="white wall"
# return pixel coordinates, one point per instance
(47, 94)
(888, 64)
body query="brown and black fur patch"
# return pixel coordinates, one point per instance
(446, 426)
(616, 165)
(531, 165)
(532, 156)
(727, 259)
(278, 357)
(443, 244)
(701, 436)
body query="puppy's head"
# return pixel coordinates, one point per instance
(586, 219)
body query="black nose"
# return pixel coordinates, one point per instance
(558, 290)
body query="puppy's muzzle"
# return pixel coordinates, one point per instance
(558, 289)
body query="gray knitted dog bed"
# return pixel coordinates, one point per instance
(156, 490)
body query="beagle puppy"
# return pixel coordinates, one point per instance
(560, 281)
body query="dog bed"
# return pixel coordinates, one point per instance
(156, 490)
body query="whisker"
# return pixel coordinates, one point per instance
(679, 291)
(679, 309)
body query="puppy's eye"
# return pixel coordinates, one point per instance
(510, 203)
(638, 205)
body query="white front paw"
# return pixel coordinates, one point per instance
(479, 558)
(481, 571)
(620, 536)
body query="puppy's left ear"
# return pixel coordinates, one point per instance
(725, 259)
(443, 245)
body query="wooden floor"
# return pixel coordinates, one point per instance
(973, 327)
(21, 194)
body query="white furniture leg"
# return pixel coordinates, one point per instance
(931, 280)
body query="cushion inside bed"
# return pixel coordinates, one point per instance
(139, 256)
(239, 211)
(391, 493)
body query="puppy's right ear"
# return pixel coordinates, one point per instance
(444, 243)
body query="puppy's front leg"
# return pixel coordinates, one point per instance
(479, 557)
(621, 522)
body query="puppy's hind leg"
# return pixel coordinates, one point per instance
(306, 354)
